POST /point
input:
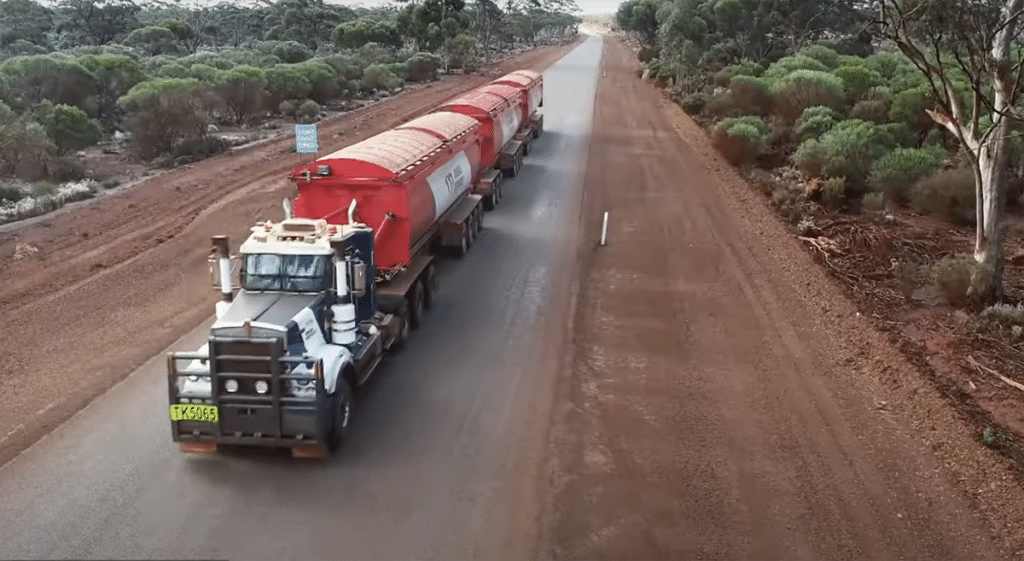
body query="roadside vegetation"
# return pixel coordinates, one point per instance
(894, 150)
(89, 88)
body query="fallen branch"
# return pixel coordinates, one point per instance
(1008, 381)
(824, 244)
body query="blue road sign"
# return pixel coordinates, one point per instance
(306, 139)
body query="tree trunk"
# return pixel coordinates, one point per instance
(992, 168)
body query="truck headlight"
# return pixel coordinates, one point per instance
(261, 386)
(231, 386)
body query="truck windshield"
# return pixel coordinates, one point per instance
(289, 273)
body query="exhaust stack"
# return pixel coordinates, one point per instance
(224, 258)
(343, 313)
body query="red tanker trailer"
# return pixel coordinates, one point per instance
(499, 119)
(532, 83)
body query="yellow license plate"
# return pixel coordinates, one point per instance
(194, 412)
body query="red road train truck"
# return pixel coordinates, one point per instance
(324, 294)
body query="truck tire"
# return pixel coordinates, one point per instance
(429, 281)
(514, 170)
(341, 414)
(402, 314)
(416, 305)
(470, 227)
(463, 247)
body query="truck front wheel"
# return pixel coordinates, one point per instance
(342, 414)
(416, 304)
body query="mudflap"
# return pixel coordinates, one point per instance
(198, 447)
(510, 155)
(311, 452)
(454, 226)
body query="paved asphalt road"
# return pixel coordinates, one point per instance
(446, 443)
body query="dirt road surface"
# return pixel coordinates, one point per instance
(118, 279)
(445, 450)
(710, 408)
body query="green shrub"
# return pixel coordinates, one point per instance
(875, 111)
(68, 169)
(204, 73)
(69, 127)
(171, 70)
(852, 147)
(291, 52)
(810, 157)
(400, 69)
(1004, 315)
(880, 93)
(805, 88)
(822, 54)
(751, 95)
(816, 121)
(740, 140)
(857, 80)
(198, 148)
(789, 64)
(11, 193)
(695, 103)
(378, 77)
(887, 64)
(901, 134)
(321, 77)
(848, 149)
(165, 112)
(908, 107)
(954, 276)
(948, 193)
(288, 107)
(722, 105)
(747, 68)
(833, 192)
(423, 67)
(896, 172)
(308, 111)
(754, 121)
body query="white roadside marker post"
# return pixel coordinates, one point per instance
(604, 229)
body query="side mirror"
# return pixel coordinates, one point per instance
(213, 262)
(358, 279)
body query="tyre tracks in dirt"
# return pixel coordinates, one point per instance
(119, 278)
